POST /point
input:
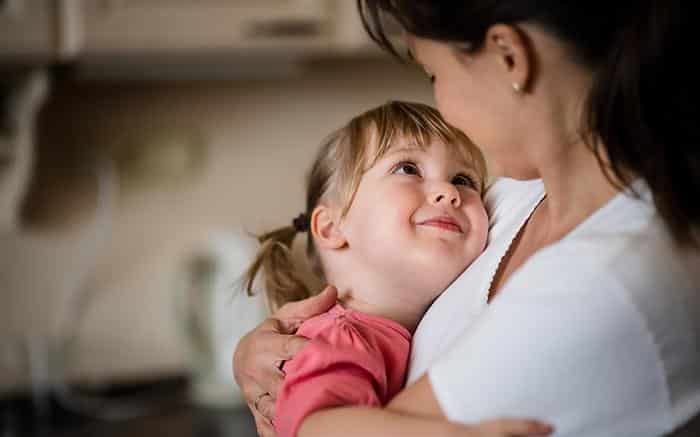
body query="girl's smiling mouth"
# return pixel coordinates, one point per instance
(442, 222)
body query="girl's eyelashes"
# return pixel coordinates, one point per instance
(410, 168)
(407, 168)
(462, 179)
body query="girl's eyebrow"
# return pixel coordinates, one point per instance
(414, 148)
(404, 149)
(464, 163)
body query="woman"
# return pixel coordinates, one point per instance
(593, 322)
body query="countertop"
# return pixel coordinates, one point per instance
(172, 415)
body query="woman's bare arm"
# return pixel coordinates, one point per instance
(417, 399)
(413, 412)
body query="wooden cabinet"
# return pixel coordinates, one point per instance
(39, 31)
(102, 32)
(27, 30)
(181, 26)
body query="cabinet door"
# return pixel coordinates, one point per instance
(27, 30)
(175, 26)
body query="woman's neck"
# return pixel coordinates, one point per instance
(576, 187)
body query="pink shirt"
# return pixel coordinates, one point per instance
(352, 359)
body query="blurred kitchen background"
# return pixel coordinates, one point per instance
(141, 142)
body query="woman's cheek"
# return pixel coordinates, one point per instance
(447, 106)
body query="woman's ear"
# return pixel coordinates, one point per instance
(325, 228)
(514, 53)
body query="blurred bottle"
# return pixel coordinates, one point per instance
(215, 312)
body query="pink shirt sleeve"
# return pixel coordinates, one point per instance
(339, 366)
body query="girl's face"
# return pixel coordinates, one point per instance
(417, 215)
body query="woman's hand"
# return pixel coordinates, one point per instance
(261, 352)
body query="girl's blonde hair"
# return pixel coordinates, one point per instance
(344, 157)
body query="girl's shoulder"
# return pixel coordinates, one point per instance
(339, 326)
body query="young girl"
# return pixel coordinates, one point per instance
(394, 214)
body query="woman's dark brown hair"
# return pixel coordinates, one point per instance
(642, 108)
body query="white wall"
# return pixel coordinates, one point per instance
(260, 138)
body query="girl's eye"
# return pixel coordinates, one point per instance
(465, 180)
(407, 168)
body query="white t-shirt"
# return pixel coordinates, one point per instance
(597, 334)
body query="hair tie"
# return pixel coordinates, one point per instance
(301, 223)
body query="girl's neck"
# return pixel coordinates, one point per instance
(399, 311)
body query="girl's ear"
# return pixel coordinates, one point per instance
(325, 228)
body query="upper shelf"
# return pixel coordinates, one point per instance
(117, 31)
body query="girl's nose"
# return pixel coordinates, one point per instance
(446, 194)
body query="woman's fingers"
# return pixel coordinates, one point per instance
(266, 407)
(272, 380)
(256, 365)
(513, 428)
(254, 393)
(262, 424)
(257, 361)
(310, 307)
(260, 354)
(275, 339)
(262, 404)
(284, 347)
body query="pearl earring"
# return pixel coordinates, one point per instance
(517, 87)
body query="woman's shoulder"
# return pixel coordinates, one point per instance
(623, 247)
(622, 271)
(624, 242)
(642, 271)
(610, 312)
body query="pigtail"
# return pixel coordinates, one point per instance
(282, 282)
